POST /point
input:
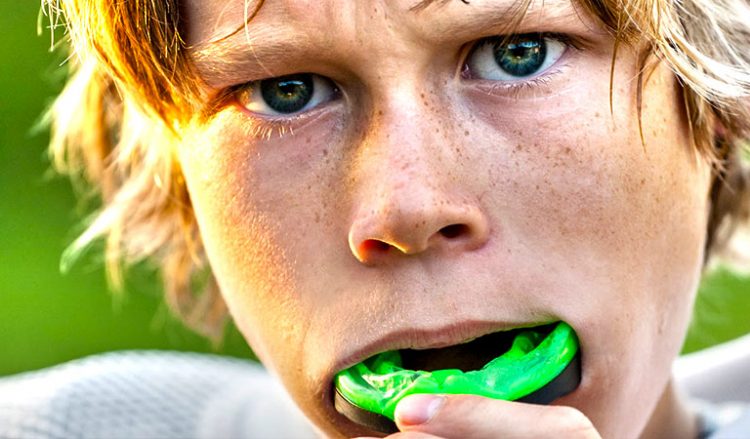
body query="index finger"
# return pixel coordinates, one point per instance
(475, 417)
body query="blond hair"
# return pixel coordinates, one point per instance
(132, 86)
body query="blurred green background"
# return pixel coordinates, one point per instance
(47, 318)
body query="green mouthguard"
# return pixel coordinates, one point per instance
(380, 382)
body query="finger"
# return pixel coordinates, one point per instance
(475, 417)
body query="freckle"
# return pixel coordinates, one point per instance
(466, 133)
(325, 152)
(308, 140)
(380, 112)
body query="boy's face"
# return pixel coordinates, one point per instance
(433, 200)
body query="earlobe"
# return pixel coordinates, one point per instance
(720, 131)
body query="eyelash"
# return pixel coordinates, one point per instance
(519, 88)
(264, 127)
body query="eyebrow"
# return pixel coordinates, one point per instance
(222, 62)
(219, 60)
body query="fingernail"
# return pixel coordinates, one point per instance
(417, 409)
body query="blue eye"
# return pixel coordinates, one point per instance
(289, 94)
(514, 58)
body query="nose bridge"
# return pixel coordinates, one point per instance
(408, 197)
(403, 155)
(403, 134)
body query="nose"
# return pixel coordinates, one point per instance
(412, 195)
(408, 225)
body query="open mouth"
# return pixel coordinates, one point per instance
(535, 365)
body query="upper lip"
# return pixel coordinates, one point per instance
(429, 338)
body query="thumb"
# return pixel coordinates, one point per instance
(476, 417)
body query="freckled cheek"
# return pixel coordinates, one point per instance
(261, 175)
(570, 169)
(548, 168)
(259, 203)
(633, 222)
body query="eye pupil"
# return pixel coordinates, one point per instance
(287, 94)
(522, 56)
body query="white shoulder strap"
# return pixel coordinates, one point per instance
(717, 374)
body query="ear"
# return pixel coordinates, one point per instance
(720, 130)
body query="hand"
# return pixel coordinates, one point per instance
(476, 417)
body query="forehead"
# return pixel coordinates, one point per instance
(288, 35)
(209, 20)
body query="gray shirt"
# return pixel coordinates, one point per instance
(157, 394)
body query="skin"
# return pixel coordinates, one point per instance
(329, 240)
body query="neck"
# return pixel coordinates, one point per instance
(672, 417)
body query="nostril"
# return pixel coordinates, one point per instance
(454, 230)
(373, 245)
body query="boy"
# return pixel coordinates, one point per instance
(365, 177)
